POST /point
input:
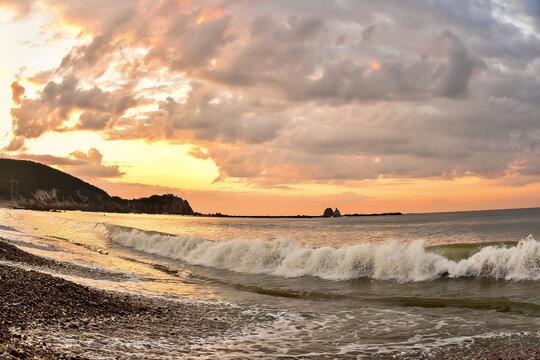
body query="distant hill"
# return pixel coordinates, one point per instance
(42, 187)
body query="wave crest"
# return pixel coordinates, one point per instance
(388, 261)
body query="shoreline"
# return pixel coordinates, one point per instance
(219, 215)
(9, 205)
(36, 307)
(33, 303)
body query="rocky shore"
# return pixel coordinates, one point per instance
(33, 303)
(37, 308)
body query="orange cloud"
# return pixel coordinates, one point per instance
(375, 65)
(88, 165)
(17, 92)
(210, 14)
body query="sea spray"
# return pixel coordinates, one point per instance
(407, 262)
(521, 262)
(388, 261)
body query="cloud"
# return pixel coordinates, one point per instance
(17, 143)
(78, 163)
(213, 114)
(381, 141)
(58, 100)
(457, 73)
(93, 120)
(21, 8)
(17, 91)
(307, 68)
(93, 165)
(51, 159)
(279, 93)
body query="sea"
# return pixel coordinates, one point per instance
(382, 287)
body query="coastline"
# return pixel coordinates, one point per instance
(38, 310)
(294, 216)
(11, 205)
(33, 303)
(6, 204)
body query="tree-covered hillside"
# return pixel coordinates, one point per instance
(34, 176)
(43, 187)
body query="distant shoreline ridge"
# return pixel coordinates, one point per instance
(35, 186)
(12, 205)
(293, 216)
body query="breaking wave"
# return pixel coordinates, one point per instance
(388, 261)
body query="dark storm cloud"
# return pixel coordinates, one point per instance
(282, 92)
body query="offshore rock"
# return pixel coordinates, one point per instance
(328, 212)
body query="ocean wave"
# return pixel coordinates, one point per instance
(388, 261)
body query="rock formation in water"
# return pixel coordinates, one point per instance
(336, 213)
(328, 212)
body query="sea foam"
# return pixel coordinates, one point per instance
(387, 261)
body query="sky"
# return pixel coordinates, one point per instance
(280, 107)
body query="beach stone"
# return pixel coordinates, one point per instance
(33, 301)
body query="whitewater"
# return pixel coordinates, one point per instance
(413, 286)
(388, 261)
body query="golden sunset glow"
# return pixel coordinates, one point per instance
(209, 15)
(245, 113)
(227, 179)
